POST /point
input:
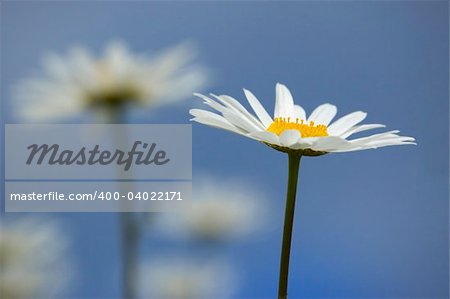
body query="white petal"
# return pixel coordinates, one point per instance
(265, 136)
(387, 142)
(227, 110)
(374, 137)
(118, 60)
(346, 149)
(361, 128)
(323, 114)
(56, 67)
(212, 119)
(240, 110)
(217, 124)
(346, 122)
(303, 143)
(299, 113)
(330, 143)
(289, 137)
(204, 113)
(232, 103)
(264, 117)
(211, 103)
(284, 103)
(240, 122)
(366, 147)
(233, 113)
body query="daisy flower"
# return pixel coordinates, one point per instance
(219, 211)
(175, 277)
(33, 259)
(77, 81)
(290, 130)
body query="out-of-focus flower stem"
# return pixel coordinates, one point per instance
(294, 165)
(130, 241)
(128, 221)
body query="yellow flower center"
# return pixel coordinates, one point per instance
(280, 124)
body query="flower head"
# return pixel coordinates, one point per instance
(175, 277)
(291, 130)
(218, 212)
(33, 261)
(72, 83)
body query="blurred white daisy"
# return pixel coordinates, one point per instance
(72, 83)
(33, 260)
(218, 211)
(182, 278)
(291, 130)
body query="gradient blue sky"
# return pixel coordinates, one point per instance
(368, 224)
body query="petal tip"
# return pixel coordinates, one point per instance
(199, 95)
(281, 86)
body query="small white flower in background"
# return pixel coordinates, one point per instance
(218, 211)
(33, 259)
(72, 83)
(182, 278)
(291, 130)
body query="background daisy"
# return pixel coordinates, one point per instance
(175, 277)
(78, 81)
(34, 259)
(221, 210)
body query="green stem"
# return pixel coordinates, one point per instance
(294, 165)
(130, 240)
(128, 222)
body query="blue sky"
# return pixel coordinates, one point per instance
(368, 224)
